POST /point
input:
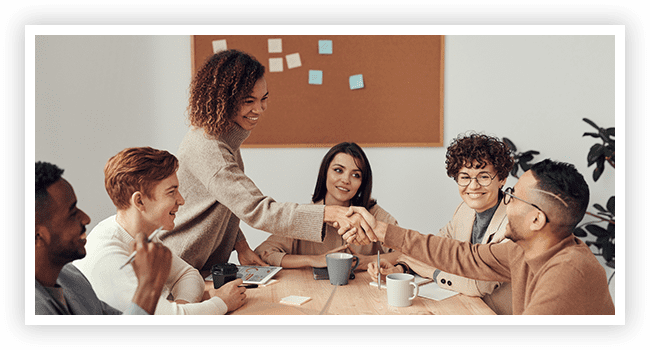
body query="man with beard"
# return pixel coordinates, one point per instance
(550, 270)
(61, 289)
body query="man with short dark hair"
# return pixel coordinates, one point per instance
(60, 234)
(550, 270)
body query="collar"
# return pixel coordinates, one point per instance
(539, 261)
(235, 136)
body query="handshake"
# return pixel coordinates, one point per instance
(355, 224)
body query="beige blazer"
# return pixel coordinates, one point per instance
(497, 295)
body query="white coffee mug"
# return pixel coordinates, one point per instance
(400, 292)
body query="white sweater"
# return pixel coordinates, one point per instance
(108, 248)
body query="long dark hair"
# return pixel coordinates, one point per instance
(363, 196)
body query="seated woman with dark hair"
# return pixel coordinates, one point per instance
(344, 179)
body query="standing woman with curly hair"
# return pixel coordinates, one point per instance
(228, 96)
(480, 165)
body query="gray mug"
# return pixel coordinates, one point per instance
(339, 266)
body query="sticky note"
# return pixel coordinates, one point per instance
(275, 45)
(219, 45)
(294, 300)
(316, 77)
(325, 47)
(293, 60)
(275, 64)
(356, 81)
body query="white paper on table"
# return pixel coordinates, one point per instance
(433, 291)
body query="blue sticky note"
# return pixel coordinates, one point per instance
(325, 47)
(356, 81)
(316, 77)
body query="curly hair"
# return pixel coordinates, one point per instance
(481, 149)
(136, 169)
(219, 87)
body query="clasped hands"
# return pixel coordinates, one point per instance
(355, 225)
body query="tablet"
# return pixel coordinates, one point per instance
(255, 274)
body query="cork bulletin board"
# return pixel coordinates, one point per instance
(375, 90)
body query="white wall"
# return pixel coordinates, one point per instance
(96, 95)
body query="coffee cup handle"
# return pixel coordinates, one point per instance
(415, 290)
(355, 265)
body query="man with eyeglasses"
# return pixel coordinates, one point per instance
(551, 271)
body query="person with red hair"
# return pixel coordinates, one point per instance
(143, 185)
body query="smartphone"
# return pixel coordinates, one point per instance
(320, 273)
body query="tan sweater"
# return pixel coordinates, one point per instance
(276, 247)
(218, 194)
(565, 280)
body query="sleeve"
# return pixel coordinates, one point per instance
(274, 249)
(135, 309)
(212, 306)
(232, 188)
(185, 281)
(479, 261)
(382, 215)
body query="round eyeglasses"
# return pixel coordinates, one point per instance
(483, 178)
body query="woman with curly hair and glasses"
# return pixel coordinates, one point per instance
(228, 96)
(480, 165)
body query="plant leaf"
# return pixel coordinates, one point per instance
(526, 157)
(592, 134)
(597, 172)
(579, 232)
(599, 207)
(595, 153)
(608, 251)
(610, 131)
(591, 123)
(510, 144)
(597, 230)
(610, 204)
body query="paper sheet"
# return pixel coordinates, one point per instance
(325, 47)
(293, 60)
(275, 45)
(275, 64)
(316, 77)
(219, 45)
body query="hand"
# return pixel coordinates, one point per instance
(386, 269)
(377, 228)
(353, 228)
(151, 265)
(247, 256)
(231, 293)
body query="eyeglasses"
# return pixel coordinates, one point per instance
(483, 178)
(509, 195)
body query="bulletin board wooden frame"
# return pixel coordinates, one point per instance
(400, 105)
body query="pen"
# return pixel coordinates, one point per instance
(378, 273)
(248, 286)
(132, 256)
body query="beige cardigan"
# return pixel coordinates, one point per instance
(276, 247)
(218, 194)
(497, 295)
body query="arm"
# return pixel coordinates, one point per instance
(187, 285)
(151, 265)
(480, 261)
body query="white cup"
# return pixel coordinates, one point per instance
(400, 293)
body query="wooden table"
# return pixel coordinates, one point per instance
(355, 298)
